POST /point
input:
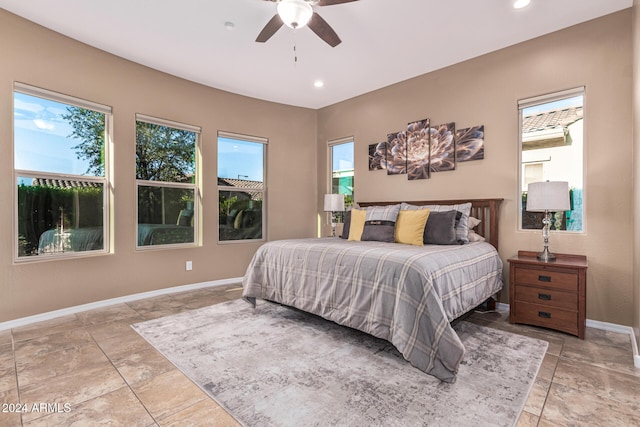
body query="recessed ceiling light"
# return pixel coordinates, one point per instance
(318, 83)
(519, 4)
(229, 25)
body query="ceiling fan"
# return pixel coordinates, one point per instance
(297, 14)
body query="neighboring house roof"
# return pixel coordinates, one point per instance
(244, 184)
(63, 183)
(241, 183)
(549, 128)
(551, 119)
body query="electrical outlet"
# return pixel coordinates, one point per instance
(189, 266)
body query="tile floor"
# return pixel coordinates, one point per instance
(91, 368)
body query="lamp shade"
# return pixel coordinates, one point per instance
(295, 13)
(334, 202)
(550, 196)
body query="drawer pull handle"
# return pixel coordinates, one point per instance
(544, 314)
(544, 278)
(545, 297)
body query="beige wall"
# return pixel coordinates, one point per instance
(485, 90)
(39, 57)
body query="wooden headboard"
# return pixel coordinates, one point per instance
(486, 210)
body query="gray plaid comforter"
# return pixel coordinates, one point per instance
(407, 295)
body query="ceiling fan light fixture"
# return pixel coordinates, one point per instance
(295, 13)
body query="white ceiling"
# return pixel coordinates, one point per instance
(383, 41)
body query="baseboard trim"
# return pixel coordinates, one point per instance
(24, 321)
(605, 326)
(620, 329)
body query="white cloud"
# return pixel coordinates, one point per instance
(43, 124)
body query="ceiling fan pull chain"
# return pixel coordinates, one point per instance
(295, 52)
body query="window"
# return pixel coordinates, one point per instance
(551, 149)
(166, 177)
(61, 174)
(241, 189)
(341, 160)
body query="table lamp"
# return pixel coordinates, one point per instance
(333, 203)
(548, 196)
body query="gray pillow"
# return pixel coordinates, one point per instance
(462, 227)
(346, 226)
(380, 224)
(379, 231)
(441, 229)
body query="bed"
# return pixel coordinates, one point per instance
(71, 240)
(406, 294)
(91, 238)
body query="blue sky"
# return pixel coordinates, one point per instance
(240, 159)
(563, 103)
(42, 144)
(342, 156)
(41, 137)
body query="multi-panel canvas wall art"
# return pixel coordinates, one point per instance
(378, 156)
(423, 149)
(442, 153)
(396, 153)
(470, 144)
(418, 149)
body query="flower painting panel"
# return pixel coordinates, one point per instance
(378, 156)
(442, 148)
(470, 144)
(418, 150)
(396, 153)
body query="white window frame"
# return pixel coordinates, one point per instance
(195, 187)
(104, 180)
(330, 145)
(265, 143)
(543, 99)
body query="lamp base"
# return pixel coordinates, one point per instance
(546, 256)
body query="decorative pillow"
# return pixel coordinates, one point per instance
(475, 237)
(237, 223)
(410, 226)
(473, 223)
(462, 228)
(380, 224)
(441, 229)
(346, 225)
(185, 217)
(356, 224)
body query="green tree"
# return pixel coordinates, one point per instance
(88, 127)
(162, 153)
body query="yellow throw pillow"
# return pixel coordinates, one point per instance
(410, 226)
(358, 217)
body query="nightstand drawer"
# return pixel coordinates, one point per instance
(539, 277)
(547, 297)
(551, 317)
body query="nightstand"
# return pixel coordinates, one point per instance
(549, 294)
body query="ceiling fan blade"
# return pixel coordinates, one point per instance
(270, 29)
(323, 30)
(332, 2)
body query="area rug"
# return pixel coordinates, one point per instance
(277, 366)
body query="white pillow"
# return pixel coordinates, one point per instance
(473, 222)
(475, 237)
